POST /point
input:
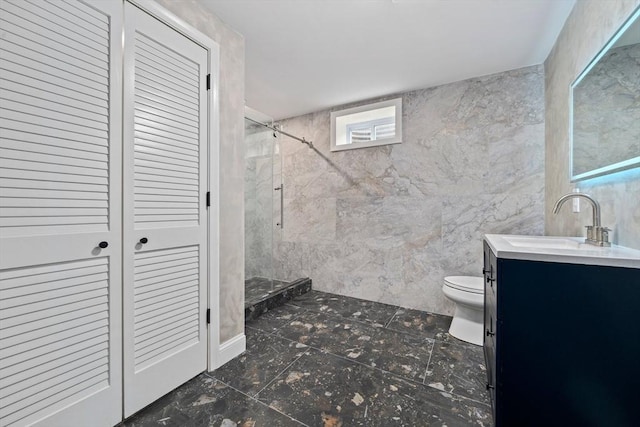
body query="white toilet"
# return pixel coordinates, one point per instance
(468, 294)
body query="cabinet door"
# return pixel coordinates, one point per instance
(165, 220)
(60, 180)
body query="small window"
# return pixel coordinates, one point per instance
(367, 125)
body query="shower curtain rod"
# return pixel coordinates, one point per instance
(304, 141)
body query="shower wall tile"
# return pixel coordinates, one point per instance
(231, 158)
(466, 219)
(309, 220)
(574, 49)
(388, 223)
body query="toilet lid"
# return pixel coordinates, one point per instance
(466, 283)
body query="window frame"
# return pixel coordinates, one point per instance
(349, 126)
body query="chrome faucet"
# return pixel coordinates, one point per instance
(597, 235)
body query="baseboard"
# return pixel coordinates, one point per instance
(230, 349)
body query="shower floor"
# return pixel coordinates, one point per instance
(262, 295)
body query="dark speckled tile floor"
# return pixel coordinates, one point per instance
(332, 361)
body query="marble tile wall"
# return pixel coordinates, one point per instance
(388, 223)
(589, 26)
(231, 173)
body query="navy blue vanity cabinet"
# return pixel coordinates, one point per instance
(562, 343)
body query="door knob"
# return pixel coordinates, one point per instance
(144, 240)
(103, 245)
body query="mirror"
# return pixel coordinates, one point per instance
(367, 125)
(605, 108)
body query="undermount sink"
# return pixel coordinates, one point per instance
(542, 242)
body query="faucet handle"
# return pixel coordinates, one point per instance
(602, 236)
(590, 235)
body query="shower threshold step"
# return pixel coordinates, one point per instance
(261, 295)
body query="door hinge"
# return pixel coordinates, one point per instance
(208, 316)
(208, 81)
(208, 198)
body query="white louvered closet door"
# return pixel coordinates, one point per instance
(165, 229)
(60, 192)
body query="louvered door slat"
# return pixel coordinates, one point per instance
(84, 11)
(49, 330)
(40, 92)
(157, 157)
(67, 81)
(18, 390)
(146, 89)
(174, 135)
(57, 68)
(48, 12)
(88, 382)
(31, 308)
(172, 312)
(60, 180)
(177, 123)
(47, 105)
(22, 102)
(44, 146)
(70, 125)
(47, 158)
(55, 133)
(149, 69)
(151, 105)
(51, 114)
(164, 146)
(160, 322)
(89, 23)
(30, 21)
(45, 46)
(41, 368)
(166, 59)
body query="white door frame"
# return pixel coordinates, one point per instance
(213, 279)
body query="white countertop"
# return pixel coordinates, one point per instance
(580, 253)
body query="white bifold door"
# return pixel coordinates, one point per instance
(165, 217)
(60, 213)
(103, 216)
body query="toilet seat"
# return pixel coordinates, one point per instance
(470, 284)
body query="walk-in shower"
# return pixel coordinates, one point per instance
(264, 215)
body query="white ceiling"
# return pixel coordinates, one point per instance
(308, 55)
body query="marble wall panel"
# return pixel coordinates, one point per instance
(232, 149)
(588, 27)
(389, 223)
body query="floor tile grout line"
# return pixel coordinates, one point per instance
(433, 347)
(338, 316)
(293, 319)
(364, 322)
(349, 359)
(375, 368)
(357, 362)
(348, 317)
(392, 317)
(283, 371)
(256, 400)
